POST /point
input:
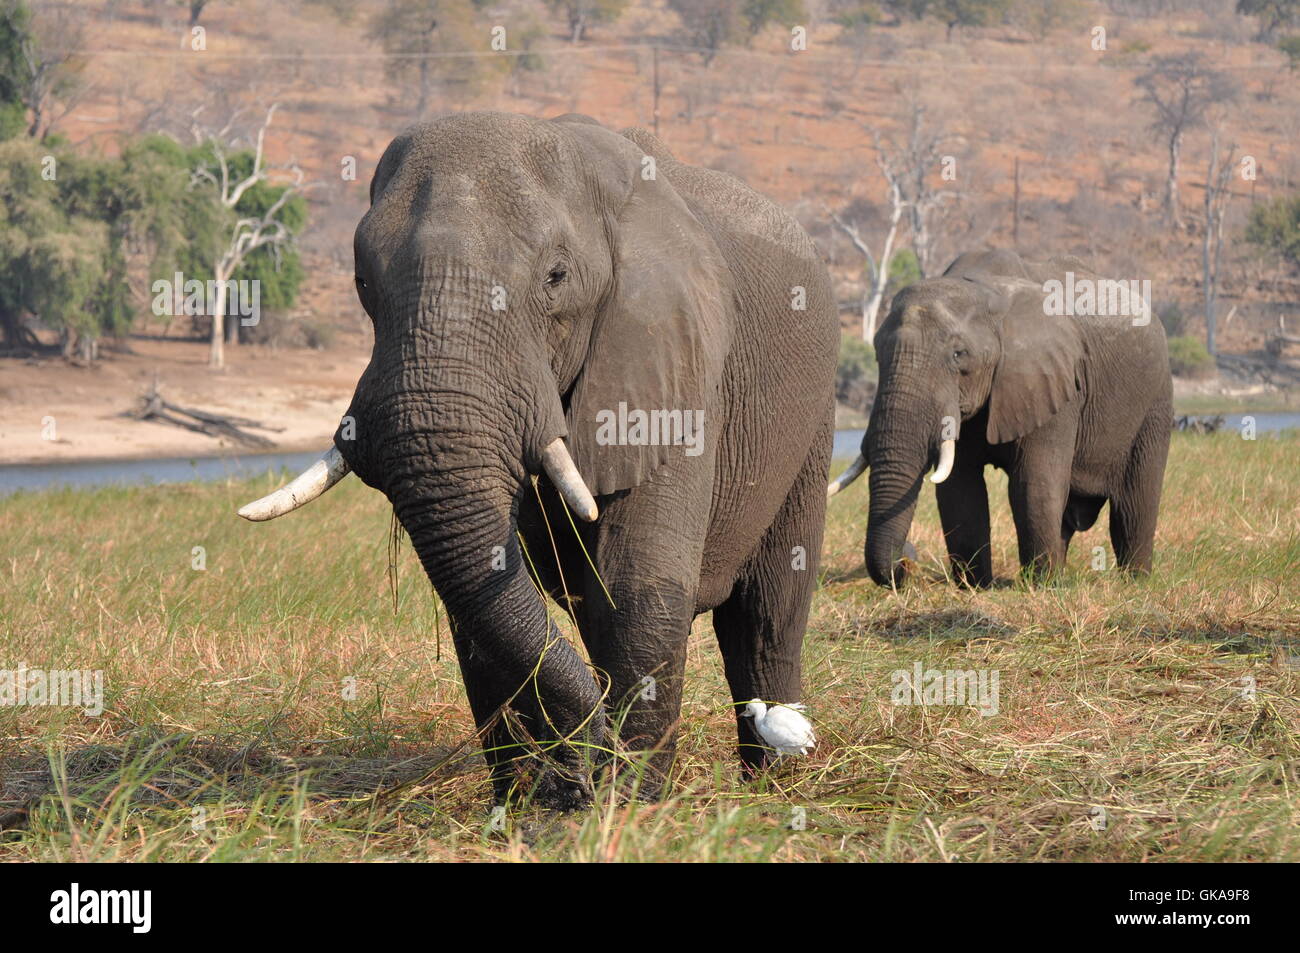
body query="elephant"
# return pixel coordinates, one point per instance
(568, 318)
(1074, 407)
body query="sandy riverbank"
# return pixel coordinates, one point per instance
(300, 393)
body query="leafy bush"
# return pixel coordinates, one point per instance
(280, 329)
(904, 270)
(1290, 45)
(855, 379)
(1172, 317)
(1189, 358)
(1275, 227)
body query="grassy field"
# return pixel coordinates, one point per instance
(1151, 720)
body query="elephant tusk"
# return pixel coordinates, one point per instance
(947, 453)
(311, 483)
(855, 470)
(559, 466)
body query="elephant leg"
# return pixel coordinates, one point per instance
(964, 512)
(636, 617)
(1038, 495)
(760, 627)
(1135, 507)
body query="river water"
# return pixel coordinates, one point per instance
(187, 469)
(848, 442)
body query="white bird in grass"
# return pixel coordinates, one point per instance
(782, 727)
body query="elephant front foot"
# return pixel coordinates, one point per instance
(550, 788)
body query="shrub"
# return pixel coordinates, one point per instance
(904, 270)
(1274, 227)
(1172, 317)
(1189, 358)
(1290, 45)
(279, 329)
(855, 380)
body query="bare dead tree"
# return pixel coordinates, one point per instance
(1217, 195)
(247, 233)
(908, 171)
(1181, 89)
(914, 165)
(874, 293)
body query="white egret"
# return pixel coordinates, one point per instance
(782, 727)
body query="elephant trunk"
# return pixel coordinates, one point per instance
(448, 421)
(910, 429)
(462, 519)
(894, 491)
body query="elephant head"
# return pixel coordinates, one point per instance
(972, 343)
(522, 276)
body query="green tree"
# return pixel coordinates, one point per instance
(909, 9)
(1272, 15)
(855, 16)
(40, 63)
(70, 224)
(55, 262)
(15, 27)
(254, 217)
(581, 14)
(1274, 227)
(856, 375)
(196, 9)
(419, 35)
(904, 270)
(1188, 357)
(1290, 46)
(966, 13)
(713, 24)
(1041, 17)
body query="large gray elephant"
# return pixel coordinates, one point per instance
(977, 368)
(657, 343)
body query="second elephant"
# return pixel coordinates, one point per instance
(977, 367)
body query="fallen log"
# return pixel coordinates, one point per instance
(153, 407)
(1192, 424)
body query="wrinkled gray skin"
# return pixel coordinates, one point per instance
(670, 290)
(1076, 410)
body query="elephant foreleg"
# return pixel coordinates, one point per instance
(964, 512)
(636, 619)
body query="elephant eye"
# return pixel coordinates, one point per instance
(361, 283)
(556, 276)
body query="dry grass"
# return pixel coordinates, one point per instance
(227, 735)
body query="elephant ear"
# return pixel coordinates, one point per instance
(661, 337)
(1039, 370)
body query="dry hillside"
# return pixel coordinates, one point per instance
(803, 126)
